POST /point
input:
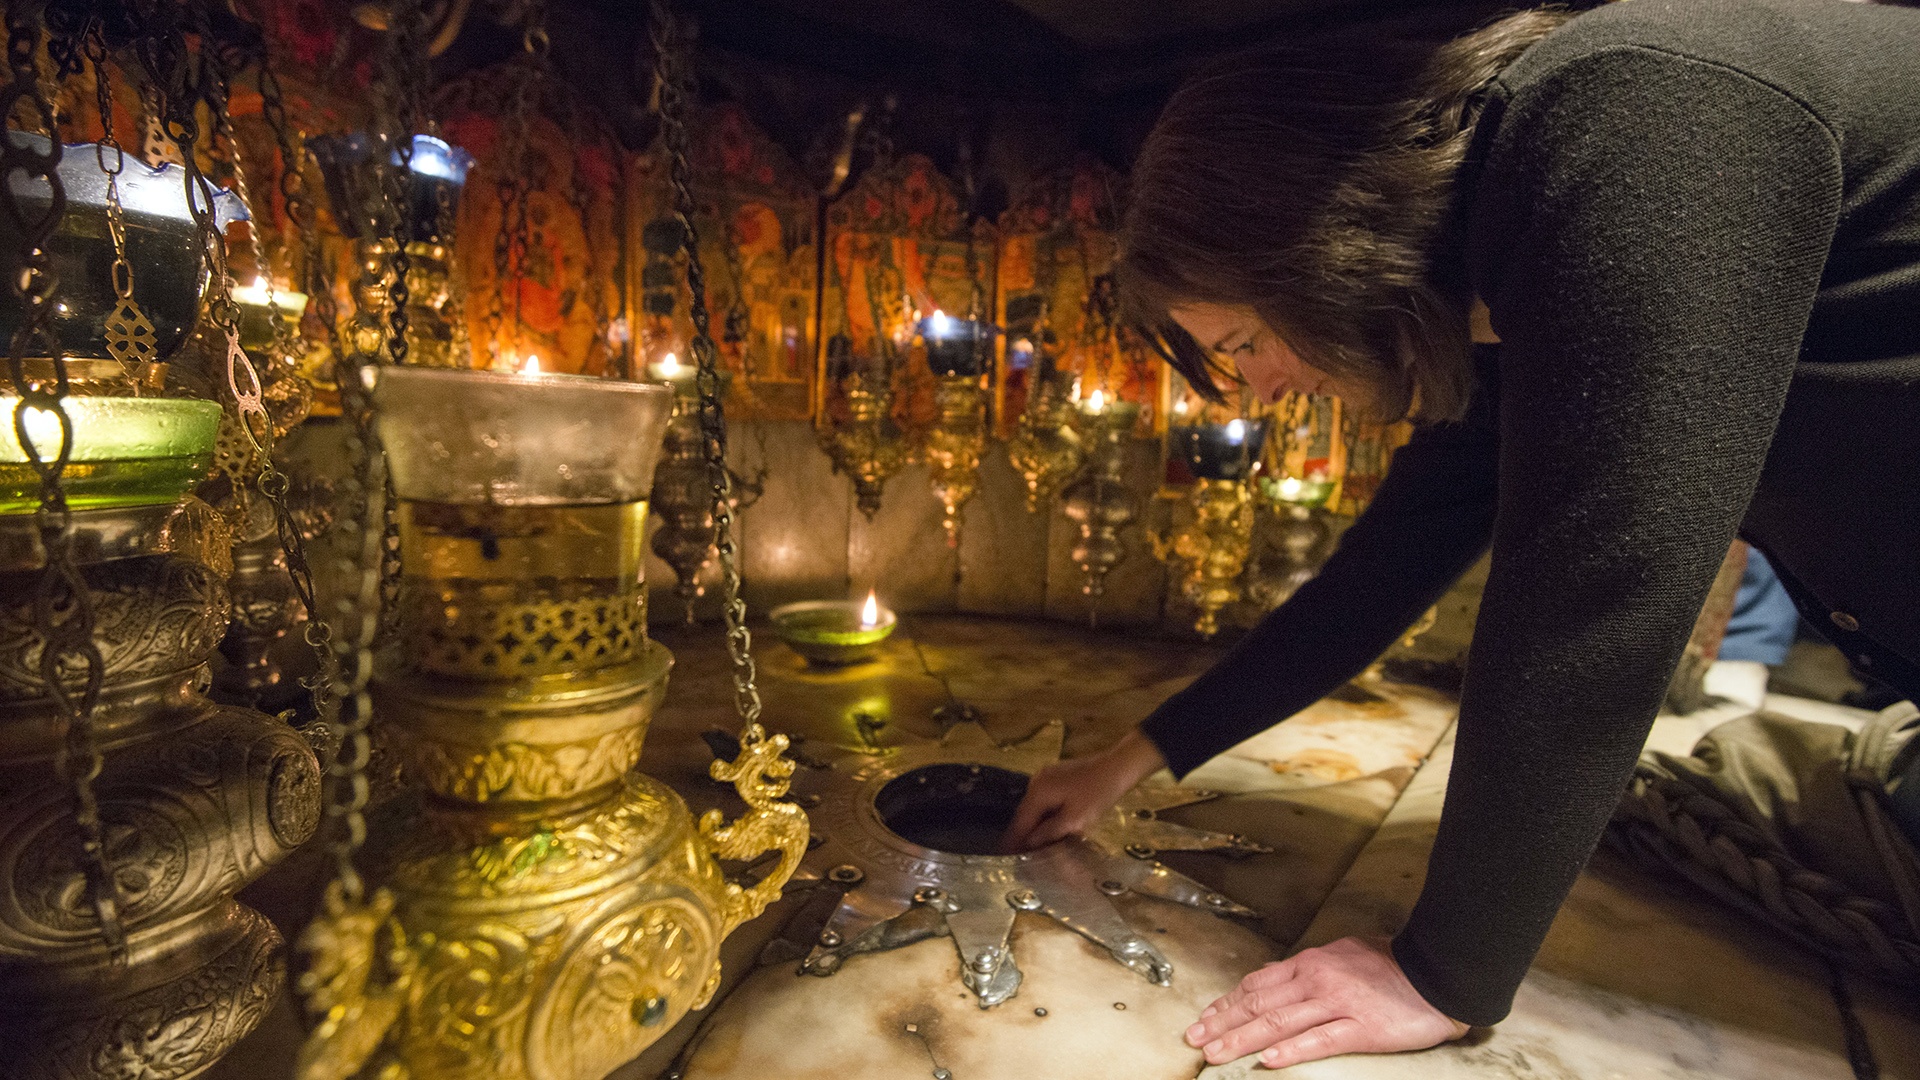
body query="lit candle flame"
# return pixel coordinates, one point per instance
(1236, 430)
(669, 366)
(938, 325)
(260, 282)
(870, 612)
(533, 366)
(1180, 407)
(1097, 402)
(1290, 488)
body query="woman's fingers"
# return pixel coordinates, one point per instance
(1261, 992)
(1267, 1028)
(1341, 1036)
(1034, 809)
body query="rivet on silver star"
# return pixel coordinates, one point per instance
(897, 892)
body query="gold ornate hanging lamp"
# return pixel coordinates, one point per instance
(1210, 548)
(542, 911)
(122, 952)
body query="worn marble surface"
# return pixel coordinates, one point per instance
(795, 535)
(904, 1013)
(1638, 978)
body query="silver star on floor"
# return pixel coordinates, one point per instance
(898, 892)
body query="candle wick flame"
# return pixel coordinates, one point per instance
(533, 366)
(870, 612)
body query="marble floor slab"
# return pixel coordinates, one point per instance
(1315, 793)
(1639, 977)
(900, 1014)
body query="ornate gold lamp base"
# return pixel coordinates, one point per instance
(543, 913)
(196, 800)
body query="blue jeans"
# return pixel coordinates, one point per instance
(1764, 618)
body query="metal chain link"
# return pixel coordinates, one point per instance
(342, 691)
(400, 115)
(62, 606)
(269, 480)
(130, 335)
(676, 92)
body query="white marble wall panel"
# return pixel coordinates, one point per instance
(1003, 549)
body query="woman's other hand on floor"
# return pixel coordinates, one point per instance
(1065, 799)
(1349, 997)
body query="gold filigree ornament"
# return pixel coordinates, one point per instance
(352, 1012)
(131, 339)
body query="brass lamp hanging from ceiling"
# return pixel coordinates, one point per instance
(123, 952)
(578, 897)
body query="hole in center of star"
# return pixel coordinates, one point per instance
(959, 808)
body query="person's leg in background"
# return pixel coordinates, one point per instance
(1758, 635)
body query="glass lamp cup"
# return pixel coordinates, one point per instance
(163, 248)
(436, 169)
(957, 346)
(493, 438)
(1220, 451)
(126, 451)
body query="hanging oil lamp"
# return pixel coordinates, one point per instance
(957, 352)
(122, 950)
(1211, 547)
(1291, 539)
(868, 446)
(682, 489)
(436, 174)
(559, 911)
(1046, 449)
(1099, 501)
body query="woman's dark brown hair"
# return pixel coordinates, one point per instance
(1312, 185)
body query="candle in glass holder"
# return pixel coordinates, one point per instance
(257, 303)
(1226, 451)
(669, 369)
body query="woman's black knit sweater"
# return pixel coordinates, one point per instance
(1697, 226)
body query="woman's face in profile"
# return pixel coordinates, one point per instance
(1238, 336)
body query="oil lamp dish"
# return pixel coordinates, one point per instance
(126, 451)
(831, 633)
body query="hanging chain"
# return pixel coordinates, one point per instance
(511, 186)
(62, 607)
(676, 92)
(130, 335)
(342, 691)
(401, 116)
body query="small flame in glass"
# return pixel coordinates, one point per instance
(870, 612)
(1236, 431)
(669, 366)
(1097, 402)
(1290, 488)
(1180, 407)
(260, 282)
(532, 367)
(938, 325)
